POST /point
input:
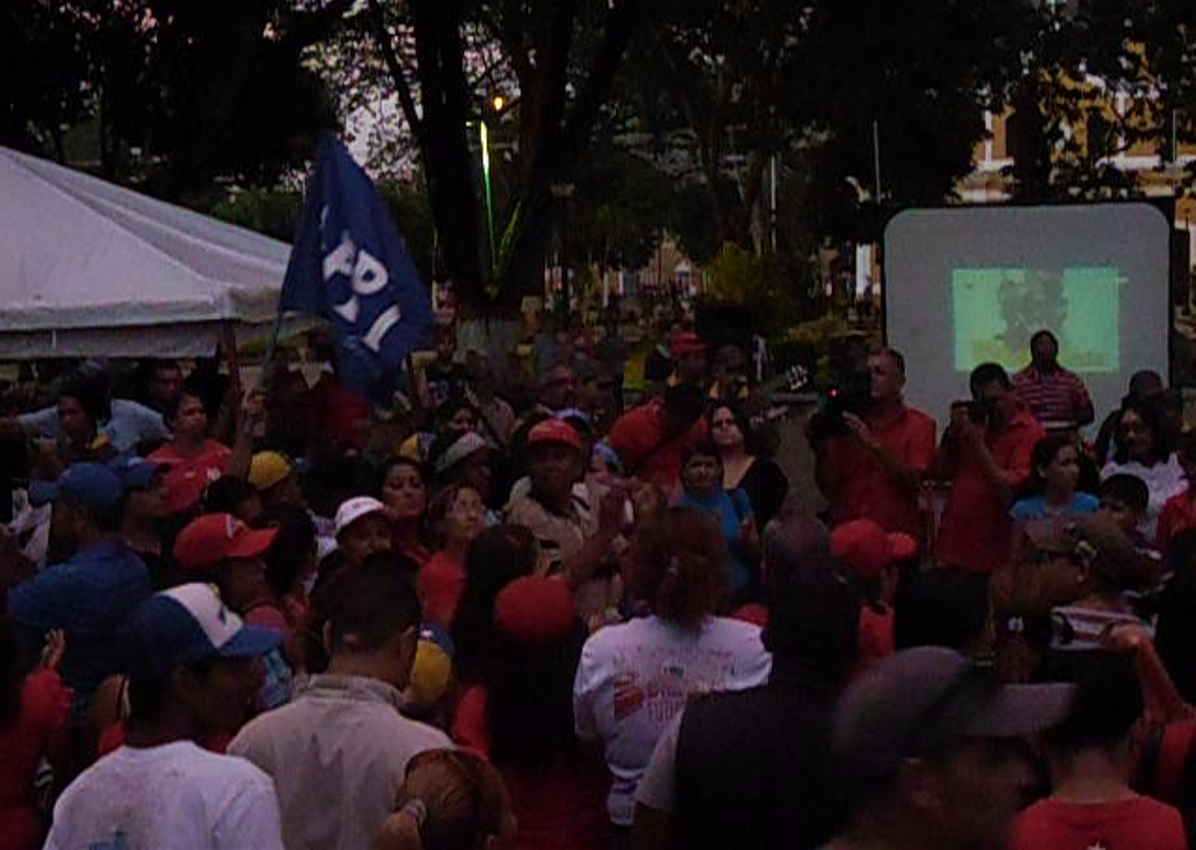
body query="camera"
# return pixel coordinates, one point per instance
(852, 395)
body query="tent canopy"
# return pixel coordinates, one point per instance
(92, 269)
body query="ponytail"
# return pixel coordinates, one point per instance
(677, 566)
(450, 800)
(401, 831)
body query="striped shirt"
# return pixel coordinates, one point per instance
(1076, 628)
(1053, 397)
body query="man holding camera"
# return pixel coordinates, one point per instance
(873, 466)
(986, 455)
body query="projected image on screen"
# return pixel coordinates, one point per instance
(997, 310)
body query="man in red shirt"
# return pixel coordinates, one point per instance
(874, 471)
(985, 455)
(194, 461)
(652, 439)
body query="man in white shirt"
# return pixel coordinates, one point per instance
(339, 751)
(193, 669)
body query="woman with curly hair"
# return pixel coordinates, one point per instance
(633, 678)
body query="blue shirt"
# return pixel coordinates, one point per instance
(89, 597)
(130, 423)
(729, 510)
(1035, 507)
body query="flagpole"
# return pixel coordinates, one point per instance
(268, 366)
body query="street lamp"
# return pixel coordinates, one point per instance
(495, 107)
(485, 136)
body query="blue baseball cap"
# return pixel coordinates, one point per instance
(92, 485)
(189, 623)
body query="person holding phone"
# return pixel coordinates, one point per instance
(986, 455)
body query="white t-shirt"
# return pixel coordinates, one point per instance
(633, 678)
(173, 797)
(1163, 480)
(659, 782)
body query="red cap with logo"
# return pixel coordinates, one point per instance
(212, 538)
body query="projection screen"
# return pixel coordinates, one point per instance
(967, 285)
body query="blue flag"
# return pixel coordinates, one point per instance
(350, 265)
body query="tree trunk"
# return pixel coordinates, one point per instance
(447, 107)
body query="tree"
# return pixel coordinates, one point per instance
(182, 94)
(42, 66)
(1098, 79)
(814, 83)
(563, 55)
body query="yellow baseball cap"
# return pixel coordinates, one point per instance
(267, 469)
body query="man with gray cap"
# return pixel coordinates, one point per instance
(1100, 562)
(926, 742)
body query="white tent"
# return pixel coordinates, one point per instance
(91, 269)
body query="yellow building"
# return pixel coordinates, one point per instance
(993, 159)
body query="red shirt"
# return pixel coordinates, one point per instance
(975, 529)
(865, 488)
(336, 414)
(1179, 513)
(189, 475)
(560, 808)
(441, 583)
(640, 438)
(1139, 823)
(45, 710)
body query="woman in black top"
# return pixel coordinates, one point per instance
(766, 486)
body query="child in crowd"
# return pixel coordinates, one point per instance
(702, 477)
(1054, 476)
(450, 800)
(1123, 499)
(1090, 758)
(457, 515)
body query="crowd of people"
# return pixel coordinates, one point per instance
(514, 610)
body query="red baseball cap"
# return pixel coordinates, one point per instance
(535, 609)
(686, 342)
(864, 546)
(555, 431)
(212, 538)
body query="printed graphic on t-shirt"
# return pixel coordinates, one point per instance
(654, 680)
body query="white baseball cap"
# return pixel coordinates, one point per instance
(188, 623)
(354, 509)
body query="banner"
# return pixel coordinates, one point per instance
(350, 265)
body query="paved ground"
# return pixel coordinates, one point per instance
(797, 461)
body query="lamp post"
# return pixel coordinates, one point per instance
(485, 138)
(562, 192)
